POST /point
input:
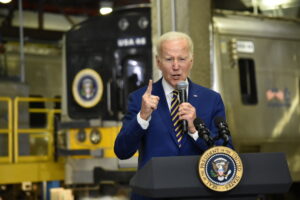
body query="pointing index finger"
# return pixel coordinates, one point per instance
(149, 88)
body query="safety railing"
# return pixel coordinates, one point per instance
(33, 143)
(6, 131)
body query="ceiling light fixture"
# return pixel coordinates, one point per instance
(106, 7)
(5, 1)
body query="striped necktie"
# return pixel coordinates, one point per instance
(175, 118)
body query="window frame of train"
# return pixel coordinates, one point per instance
(247, 78)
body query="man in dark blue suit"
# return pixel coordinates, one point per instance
(148, 127)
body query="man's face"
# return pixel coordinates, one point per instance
(174, 61)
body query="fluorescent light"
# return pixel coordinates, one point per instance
(273, 3)
(105, 10)
(5, 1)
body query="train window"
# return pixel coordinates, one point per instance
(248, 81)
(135, 72)
(134, 69)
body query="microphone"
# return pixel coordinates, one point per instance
(181, 87)
(203, 131)
(224, 132)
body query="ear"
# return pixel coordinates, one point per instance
(192, 60)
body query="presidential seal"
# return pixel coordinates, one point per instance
(87, 88)
(220, 169)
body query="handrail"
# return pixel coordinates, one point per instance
(8, 130)
(46, 132)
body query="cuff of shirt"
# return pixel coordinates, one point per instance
(143, 123)
(195, 135)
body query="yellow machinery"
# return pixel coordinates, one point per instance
(89, 149)
(41, 154)
(93, 139)
(27, 154)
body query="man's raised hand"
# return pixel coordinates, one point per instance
(149, 102)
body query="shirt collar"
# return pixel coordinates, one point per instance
(168, 88)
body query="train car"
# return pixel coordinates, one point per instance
(105, 58)
(256, 68)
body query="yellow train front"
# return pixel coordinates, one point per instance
(105, 58)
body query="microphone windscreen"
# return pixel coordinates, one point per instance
(182, 85)
(219, 120)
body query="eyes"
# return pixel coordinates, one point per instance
(172, 60)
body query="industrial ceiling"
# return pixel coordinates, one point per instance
(49, 19)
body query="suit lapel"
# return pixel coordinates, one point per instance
(193, 94)
(163, 109)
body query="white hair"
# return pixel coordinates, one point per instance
(172, 36)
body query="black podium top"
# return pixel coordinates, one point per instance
(177, 177)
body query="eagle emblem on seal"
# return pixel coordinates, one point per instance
(220, 169)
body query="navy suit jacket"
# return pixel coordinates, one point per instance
(159, 138)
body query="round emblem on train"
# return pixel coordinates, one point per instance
(220, 169)
(87, 88)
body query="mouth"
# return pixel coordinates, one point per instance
(176, 76)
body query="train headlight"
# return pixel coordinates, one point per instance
(95, 136)
(143, 22)
(81, 135)
(123, 24)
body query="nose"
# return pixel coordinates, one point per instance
(175, 64)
